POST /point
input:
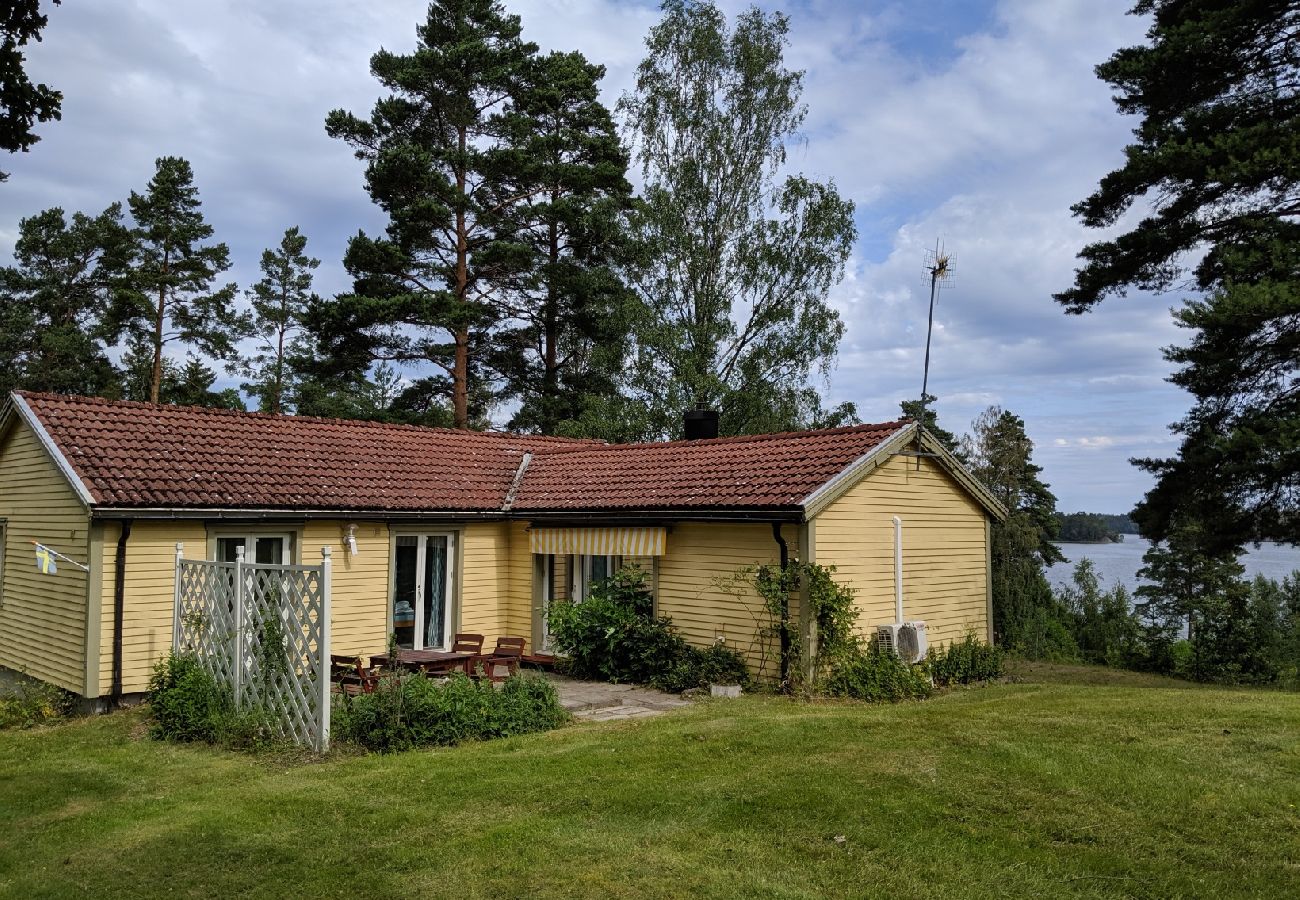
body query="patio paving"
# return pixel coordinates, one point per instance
(596, 701)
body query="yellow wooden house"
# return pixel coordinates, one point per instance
(437, 531)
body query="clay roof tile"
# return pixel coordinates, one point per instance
(140, 455)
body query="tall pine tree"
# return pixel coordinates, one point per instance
(192, 383)
(22, 104)
(1216, 90)
(430, 292)
(1025, 614)
(173, 273)
(280, 302)
(54, 298)
(563, 353)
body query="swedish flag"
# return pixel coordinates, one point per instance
(45, 560)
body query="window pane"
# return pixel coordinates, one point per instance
(227, 547)
(599, 569)
(405, 556)
(435, 593)
(270, 550)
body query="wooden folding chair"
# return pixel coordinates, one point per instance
(348, 675)
(508, 654)
(467, 643)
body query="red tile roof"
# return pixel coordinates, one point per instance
(140, 455)
(770, 471)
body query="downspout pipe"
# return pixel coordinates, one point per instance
(119, 609)
(898, 569)
(785, 604)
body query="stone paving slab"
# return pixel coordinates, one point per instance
(599, 702)
(618, 713)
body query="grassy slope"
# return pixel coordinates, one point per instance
(1120, 787)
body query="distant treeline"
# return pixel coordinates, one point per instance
(1093, 527)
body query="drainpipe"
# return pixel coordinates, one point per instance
(119, 607)
(898, 569)
(785, 604)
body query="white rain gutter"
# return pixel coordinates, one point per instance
(898, 569)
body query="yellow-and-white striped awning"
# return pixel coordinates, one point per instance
(599, 541)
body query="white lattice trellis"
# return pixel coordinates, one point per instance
(262, 631)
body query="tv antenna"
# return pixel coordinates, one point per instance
(939, 272)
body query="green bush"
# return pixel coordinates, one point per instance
(875, 675)
(525, 704)
(414, 711)
(34, 703)
(1180, 658)
(698, 668)
(966, 661)
(186, 702)
(376, 721)
(250, 729)
(614, 636)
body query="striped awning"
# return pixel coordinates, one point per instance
(599, 541)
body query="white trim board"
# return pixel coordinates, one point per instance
(53, 450)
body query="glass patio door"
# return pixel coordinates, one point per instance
(421, 611)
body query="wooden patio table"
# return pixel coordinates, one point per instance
(417, 659)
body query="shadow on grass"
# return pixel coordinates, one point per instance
(1027, 671)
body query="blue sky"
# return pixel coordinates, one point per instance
(973, 123)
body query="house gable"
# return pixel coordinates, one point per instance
(904, 444)
(43, 618)
(944, 535)
(17, 409)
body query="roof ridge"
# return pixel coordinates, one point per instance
(744, 438)
(376, 424)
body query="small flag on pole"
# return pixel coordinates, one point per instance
(45, 560)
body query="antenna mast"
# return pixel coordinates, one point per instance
(939, 270)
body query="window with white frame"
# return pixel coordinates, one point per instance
(275, 548)
(587, 572)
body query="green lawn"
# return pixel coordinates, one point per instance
(1073, 781)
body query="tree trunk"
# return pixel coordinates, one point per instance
(550, 332)
(155, 386)
(155, 389)
(278, 387)
(460, 369)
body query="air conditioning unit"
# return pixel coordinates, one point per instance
(906, 640)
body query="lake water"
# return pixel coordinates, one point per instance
(1119, 563)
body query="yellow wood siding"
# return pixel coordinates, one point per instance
(644, 563)
(149, 594)
(944, 561)
(698, 555)
(360, 589)
(42, 617)
(484, 579)
(517, 602)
